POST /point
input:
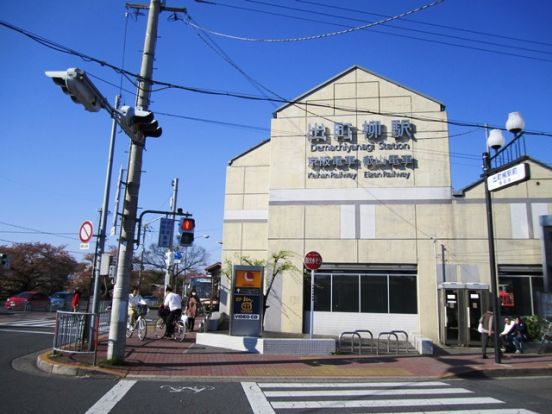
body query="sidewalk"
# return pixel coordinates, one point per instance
(168, 359)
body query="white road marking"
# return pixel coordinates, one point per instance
(480, 411)
(383, 403)
(105, 404)
(357, 393)
(258, 402)
(350, 384)
(23, 331)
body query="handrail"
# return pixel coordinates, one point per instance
(358, 332)
(389, 334)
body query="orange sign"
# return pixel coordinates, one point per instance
(248, 279)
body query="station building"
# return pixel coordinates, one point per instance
(358, 169)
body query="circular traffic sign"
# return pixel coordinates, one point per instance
(313, 260)
(86, 231)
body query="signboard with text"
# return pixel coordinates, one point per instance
(166, 231)
(508, 177)
(246, 312)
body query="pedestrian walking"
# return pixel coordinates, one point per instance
(75, 300)
(191, 309)
(486, 329)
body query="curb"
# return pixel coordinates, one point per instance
(46, 364)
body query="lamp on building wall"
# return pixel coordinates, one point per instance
(495, 140)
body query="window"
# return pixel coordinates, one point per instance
(373, 294)
(364, 292)
(345, 293)
(522, 291)
(322, 292)
(402, 294)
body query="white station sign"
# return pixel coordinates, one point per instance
(508, 177)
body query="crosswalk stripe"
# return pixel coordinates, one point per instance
(480, 411)
(258, 402)
(383, 403)
(356, 393)
(350, 384)
(32, 322)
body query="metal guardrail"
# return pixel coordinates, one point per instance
(77, 332)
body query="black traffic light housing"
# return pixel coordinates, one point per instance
(186, 229)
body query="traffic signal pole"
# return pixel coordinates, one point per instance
(170, 263)
(117, 330)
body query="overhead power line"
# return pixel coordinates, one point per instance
(60, 48)
(323, 35)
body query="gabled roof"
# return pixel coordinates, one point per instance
(342, 74)
(248, 151)
(461, 192)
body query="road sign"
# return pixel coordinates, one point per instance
(86, 231)
(166, 231)
(313, 260)
(508, 177)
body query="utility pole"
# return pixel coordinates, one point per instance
(170, 256)
(117, 338)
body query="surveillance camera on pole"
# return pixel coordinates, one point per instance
(75, 83)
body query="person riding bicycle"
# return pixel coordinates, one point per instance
(173, 302)
(134, 300)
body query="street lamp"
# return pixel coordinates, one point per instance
(495, 140)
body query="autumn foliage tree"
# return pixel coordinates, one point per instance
(36, 266)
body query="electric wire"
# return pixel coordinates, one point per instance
(38, 231)
(442, 26)
(372, 30)
(244, 96)
(395, 27)
(322, 35)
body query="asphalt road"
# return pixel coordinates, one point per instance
(24, 389)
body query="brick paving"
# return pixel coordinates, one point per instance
(165, 358)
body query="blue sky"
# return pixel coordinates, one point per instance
(482, 59)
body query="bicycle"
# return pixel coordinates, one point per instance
(140, 323)
(179, 331)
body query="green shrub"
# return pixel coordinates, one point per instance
(533, 323)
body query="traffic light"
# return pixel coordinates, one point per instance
(4, 261)
(186, 229)
(80, 89)
(136, 121)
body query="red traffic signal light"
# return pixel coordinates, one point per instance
(187, 224)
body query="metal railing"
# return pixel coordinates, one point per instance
(388, 340)
(78, 332)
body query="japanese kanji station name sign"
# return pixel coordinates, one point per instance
(347, 143)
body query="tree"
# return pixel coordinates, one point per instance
(36, 266)
(194, 258)
(278, 263)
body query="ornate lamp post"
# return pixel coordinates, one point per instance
(495, 140)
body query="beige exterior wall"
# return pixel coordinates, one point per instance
(277, 198)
